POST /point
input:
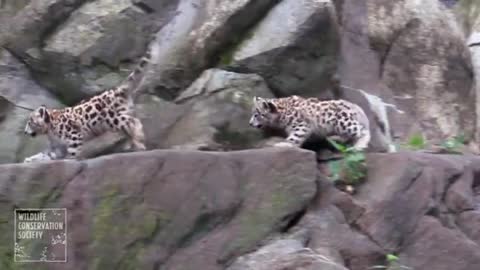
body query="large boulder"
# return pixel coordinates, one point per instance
(193, 40)
(169, 209)
(412, 54)
(419, 207)
(17, 87)
(436, 190)
(219, 105)
(468, 14)
(8, 9)
(26, 28)
(83, 48)
(286, 254)
(295, 48)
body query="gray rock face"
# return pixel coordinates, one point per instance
(468, 15)
(89, 51)
(193, 38)
(211, 210)
(28, 27)
(295, 48)
(285, 254)
(416, 206)
(8, 9)
(219, 106)
(430, 78)
(177, 209)
(17, 86)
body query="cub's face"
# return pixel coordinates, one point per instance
(264, 113)
(38, 122)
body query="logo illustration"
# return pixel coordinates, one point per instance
(40, 235)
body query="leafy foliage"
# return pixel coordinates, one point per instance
(454, 144)
(416, 142)
(351, 169)
(391, 258)
(392, 263)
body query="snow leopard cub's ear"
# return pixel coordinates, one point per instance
(42, 110)
(264, 104)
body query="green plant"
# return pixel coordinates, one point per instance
(351, 169)
(392, 263)
(416, 142)
(453, 144)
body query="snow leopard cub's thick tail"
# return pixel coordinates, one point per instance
(364, 137)
(130, 85)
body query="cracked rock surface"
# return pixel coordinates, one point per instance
(177, 209)
(255, 209)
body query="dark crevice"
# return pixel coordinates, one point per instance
(21, 58)
(346, 259)
(450, 181)
(433, 212)
(355, 227)
(236, 22)
(384, 55)
(476, 180)
(413, 180)
(144, 7)
(292, 220)
(53, 26)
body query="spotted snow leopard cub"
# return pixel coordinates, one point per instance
(69, 128)
(301, 117)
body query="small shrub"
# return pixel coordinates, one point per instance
(351, 169)
(454, 144)
(392, 263)
(416, 142)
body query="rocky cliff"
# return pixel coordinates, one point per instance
(253, 209)
(202, 197)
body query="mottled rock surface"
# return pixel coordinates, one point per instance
(255, 209)
(286, 254)
(412, 54)
(18, 87)
(195, 37)
(175, 209)
(295, 48)
(413, 205)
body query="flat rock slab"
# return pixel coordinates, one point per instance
(174, 209)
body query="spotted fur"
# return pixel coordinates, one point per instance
(302, 117)
(111, 110)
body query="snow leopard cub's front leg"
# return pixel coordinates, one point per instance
(297, 135)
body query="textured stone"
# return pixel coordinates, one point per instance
(294, 48)
(174, 209)
(219, 105)
(412, 54)
(285, 254)
(193, 39)
(17, 86)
